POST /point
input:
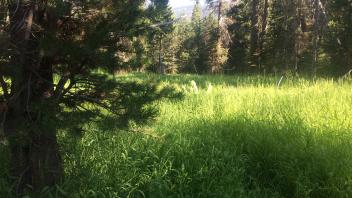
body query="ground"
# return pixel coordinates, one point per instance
(230, 136)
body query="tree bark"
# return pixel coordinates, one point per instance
(35, 157)
(161, 64)
(254, 34)
(263, 32)
(315, 37)
(219, 16)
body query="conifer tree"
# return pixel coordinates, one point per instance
(55, 49)
(160, 18)
(338, 42)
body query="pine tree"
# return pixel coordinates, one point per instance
(69, 41)
(160, 18)
(218, 46)
(239, 29)
(198, 45)
(338, 42)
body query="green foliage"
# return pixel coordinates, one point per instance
(243, 138)
(289, 141)
(339, 40)
(56, 48)
(159, 17)
(239, 46)
(287, 34)
(119, 103)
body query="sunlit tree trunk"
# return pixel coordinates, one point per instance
(263, 32)
(315, 36)
(161, 64)
(254, 34)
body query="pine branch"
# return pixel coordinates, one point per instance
(4, 87)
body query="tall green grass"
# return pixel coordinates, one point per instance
(234, 137)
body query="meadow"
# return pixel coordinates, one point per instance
(230, 136)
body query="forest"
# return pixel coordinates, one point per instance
(133, 98)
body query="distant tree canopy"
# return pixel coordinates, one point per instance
(260, 36)
(302, 36)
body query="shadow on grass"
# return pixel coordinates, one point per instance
(123, 103)
(204, 158)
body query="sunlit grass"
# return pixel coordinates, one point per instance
(243, 137)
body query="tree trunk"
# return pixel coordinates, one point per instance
(315, 37)
(216, 53)
(254, 34)
(35, 157)
(219, 16)
(161, 64)
(263, 32)
(299, 23)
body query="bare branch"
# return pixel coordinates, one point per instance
(92, 100)
(60, 88)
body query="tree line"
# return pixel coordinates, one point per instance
(250, 36)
